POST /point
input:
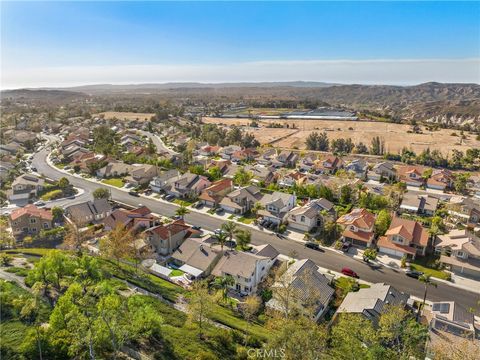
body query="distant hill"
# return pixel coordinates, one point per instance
(454, 104)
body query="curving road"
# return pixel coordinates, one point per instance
(328, 259)
(161, 147)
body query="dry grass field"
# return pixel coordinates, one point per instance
(395, 135)
(128, 116)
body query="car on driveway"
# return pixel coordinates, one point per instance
(134, 193)
(196, 227)
(413, 273)
(349, 272)
(198, 205)
(219, 211)
(39, 203)
(346, 246)
(170, 197)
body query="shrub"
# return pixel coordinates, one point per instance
(338, 245)
(51, 195)
(282, 228)
(266, 295)
(403, 262)
(5, 259)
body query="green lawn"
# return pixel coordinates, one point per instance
(246, 220)
(183, 202)
(429, 271)
(231, 217)
(51, 195)
(118, 182)
(176, 272)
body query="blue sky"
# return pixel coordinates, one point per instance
(194, 38)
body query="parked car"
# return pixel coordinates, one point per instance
(134, 193)
(71, 197)
(346, 246)
(34, 168)
(196, 227)
(218, 231)
(312, 245)
(198, 205)
(39, 203)
(219, 211)
(170, 197)
(349, 272)
(413, 273)
(68, 167)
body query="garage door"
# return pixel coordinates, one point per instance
(390, 252)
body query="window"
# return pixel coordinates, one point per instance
(25, 229)
(302, 218)
(461, 254)
(14, 223)
(33, 221)
(45, 225)
(33, 230)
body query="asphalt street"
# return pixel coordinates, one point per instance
(161, 147)
(328, 259)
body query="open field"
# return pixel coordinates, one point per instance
(395, 135)
(129, 116)
(263, 111)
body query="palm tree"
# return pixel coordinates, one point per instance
(244, 237)
(222, 283)
(257, 207)
(425, 279)
(221, 239)
(229, 228)
(182, 211)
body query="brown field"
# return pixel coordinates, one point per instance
(128, 116)
(395, 135)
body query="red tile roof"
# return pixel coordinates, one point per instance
(410, 230)
(31, 210)
(384, 242)
(172, 228)
(360, 218)
(359, 235)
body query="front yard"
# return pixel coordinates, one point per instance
(427, 266)
(117, 182)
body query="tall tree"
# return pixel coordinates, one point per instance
(243, 237)
(117, 243)
(200, 306)
(426, 280)
(182, 211)
(382, 223)
(229, 228)
(222, 283)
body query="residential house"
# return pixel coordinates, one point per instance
(465, 210)
(358, 227)
(241, 200)
(187, 185)
(114, 169)
(440, 179)
(311, 215)
(30, 220)
(292, 178)
(358, 167)
(450, 326)
(261, 174)
(141, 174)
(266, 157)
(276, 206)
(371, 302)
(161, 181)
(228, 151)
(286, 158)
(129, 140)
(248, 270)
(196, 258)
(412, 175)
(212, 195)
(419, 204)
(307, 163)
(5, 170)
(140, 218)
(11, 148)
(309, 290)
(328, 165)
(460, 251)
(209, 150)
(166, 238)
(88, 211)
(404, 237)
(25, 187)
(382, 170)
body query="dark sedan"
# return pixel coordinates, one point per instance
(413, 273)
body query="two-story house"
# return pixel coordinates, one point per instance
(88, 211)
(292, 178)
(248, 270)
(464, 210)
(30, 220)
(404, 237)
(276, 206)
(358, 227)
(187, 185)
(286, 158)
(328, 165)
(114, 169)
(160, 182)
(136, 219)
(440, 179)
(241, 200)
(212, 195)
(228, 151)
(307, 163)
(25, 187)
(141, 174)
(412, 175)
(261, 174)
(311, 215)
(358, 167)
(166, 238)
(419, 204)
(460, 252)
(382, 170)
(301, 289)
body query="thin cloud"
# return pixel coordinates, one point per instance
(380, 71)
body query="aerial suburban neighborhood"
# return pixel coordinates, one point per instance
(238, 220)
